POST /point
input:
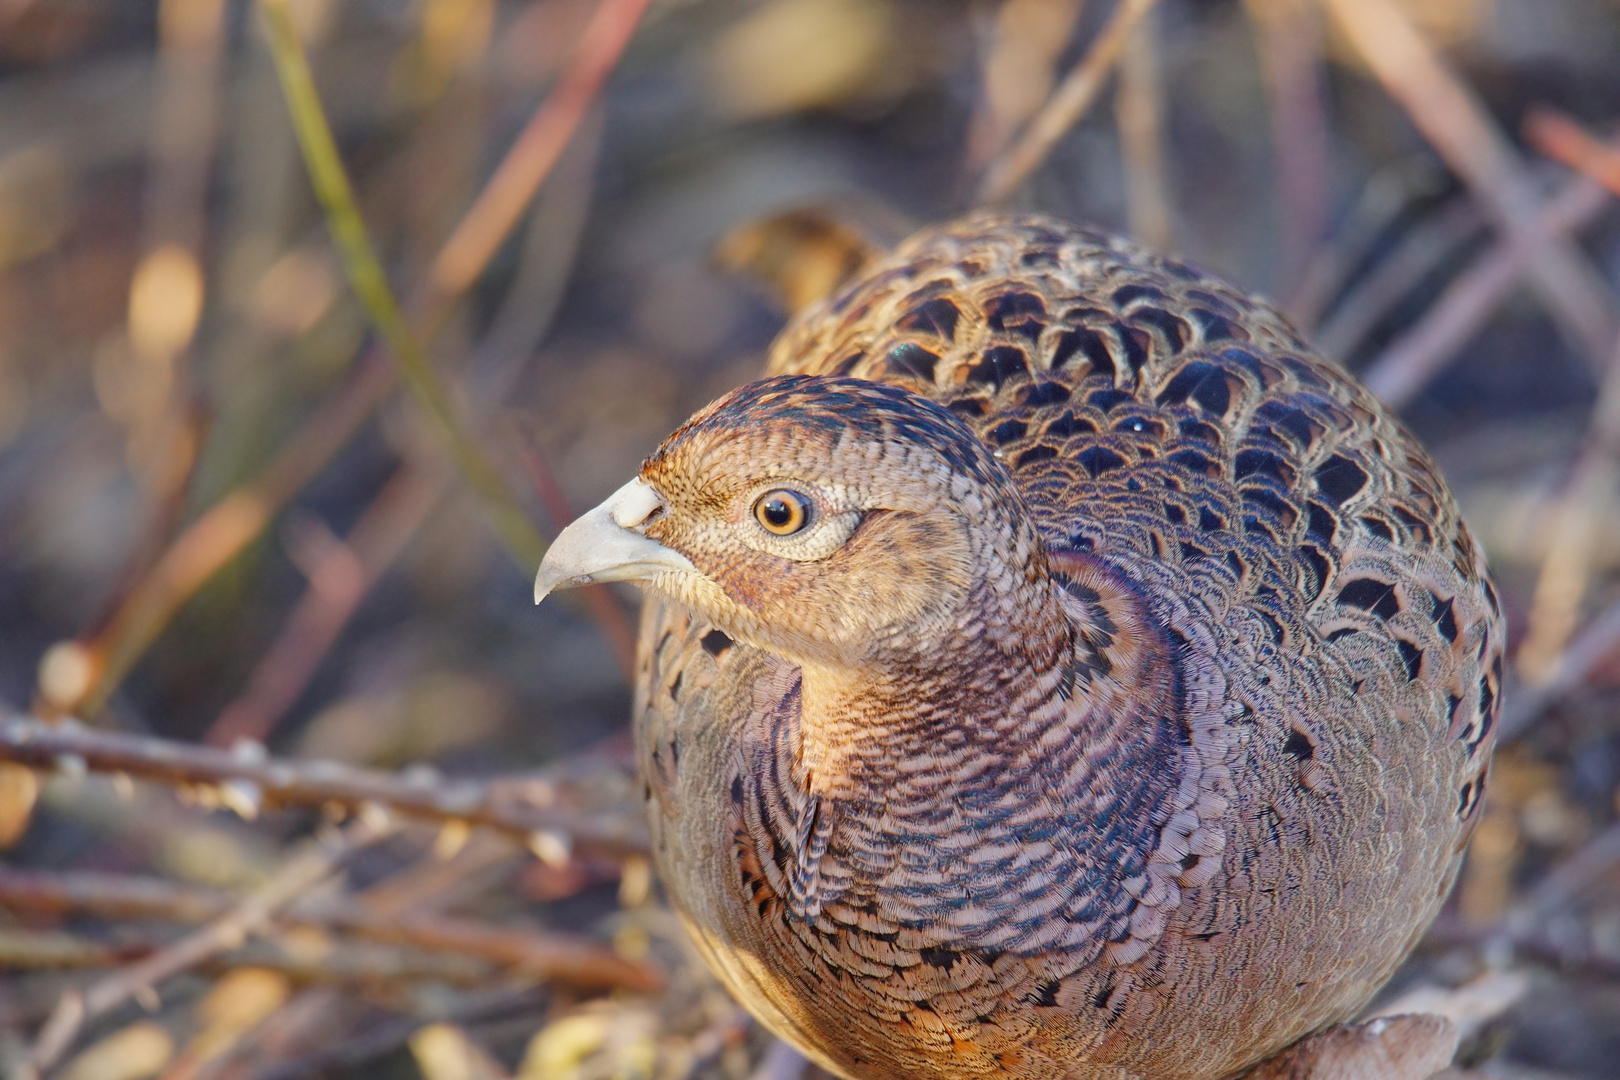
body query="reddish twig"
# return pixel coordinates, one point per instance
(1567, 142)
(230, 525)
(498, 207)
(597, 598)
(519, 806)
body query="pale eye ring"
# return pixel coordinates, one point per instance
(782, 512)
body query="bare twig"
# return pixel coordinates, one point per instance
(1596, 858)
(1019, 64)
(1410, 362)
(1068, 103)
(1565, 141)
(1459, 127)
(299, 874)
(1289, 34)
(217, 537)
(539, 953)
(342, 576)
(597, 598)
(1384, 198)
(1419, 253)
(341, 961)
(518, 806)
(498, 207)
(1585, 651)
(1139, 111)
(384, 1037)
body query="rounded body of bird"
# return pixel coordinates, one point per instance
(1154, 755)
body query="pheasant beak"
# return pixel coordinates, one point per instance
(604, 545)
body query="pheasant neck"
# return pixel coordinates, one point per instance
(1007, 678)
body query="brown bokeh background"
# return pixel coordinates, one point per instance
(222, 526)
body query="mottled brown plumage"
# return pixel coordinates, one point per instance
(1121, 710)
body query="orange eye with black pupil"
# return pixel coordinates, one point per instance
(782, 512)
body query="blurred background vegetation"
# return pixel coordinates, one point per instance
(229, 545)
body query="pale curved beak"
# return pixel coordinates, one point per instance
(603, 545)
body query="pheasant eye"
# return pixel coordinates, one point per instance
(782, 512)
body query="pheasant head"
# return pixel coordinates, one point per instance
(838, 523)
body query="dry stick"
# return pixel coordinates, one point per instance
(297, 876)
(545, 954)
(223, 531)
(1459, 127)
(1068, 103)
(1289, 40)
(1384, 198)
(1409, 363)
(339, 580)
(1139, 112)
(350, 569)
(1418, 254)
(537, 149)
(231, 524)
(1565, 141)
(517, 806)
(381, 1038)
(1572, 526)
(166, 435)
(343, 962)
(1585, 651)
(1019, 66)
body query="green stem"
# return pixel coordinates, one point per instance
(365, 273)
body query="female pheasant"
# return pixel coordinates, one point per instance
(1054, 669)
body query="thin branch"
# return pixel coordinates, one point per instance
(217, 537)
(344, 962)
(544, 954)
(1139, 113)
(1567, 142)
(504, 198)
(1410, 362)
(1290, 44)
(297, 876)
(1067, 105)
(1460, 128)
(1585, 651)
(1420, 251)
(596, 598)
(339, 580)
(519, 806)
